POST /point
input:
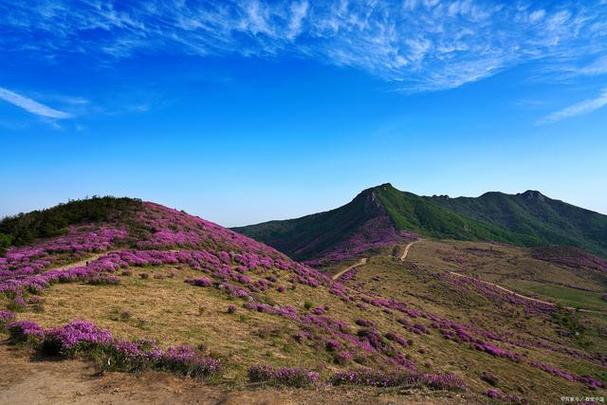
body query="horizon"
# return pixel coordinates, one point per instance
(303, 214)
(242, 112)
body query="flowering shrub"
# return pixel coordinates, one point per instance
(187, 361)
(591, 382)
(378, 378)
(364, 322)
(493, 393)
(319, 310)
(200, 282)
(6, 317)
(396, 338)
(74, 336)
(292, 377)
(343, 358)
(103, 279)
(332, 345)
(22, 331)
(497, 352)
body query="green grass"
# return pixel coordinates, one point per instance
(565, 296)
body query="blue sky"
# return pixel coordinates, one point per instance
(244, 111)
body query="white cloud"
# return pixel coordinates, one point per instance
(419, 44)
(583, 107)
(31, 106)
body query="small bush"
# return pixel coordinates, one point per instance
(489, 378)
(376, 378)
(6, 317)
(104, 279)
(342, 358)
(291, 377)
(17, 304)
(24, 331)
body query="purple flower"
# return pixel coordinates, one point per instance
(72, 336)
(20, 331)
(6, 316)
(292, 377)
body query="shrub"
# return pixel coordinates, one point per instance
(74, 336)
(376, 378)
(364, 323)
(231, 309)
(23, 331)
(6, 317)
(103, 279)
(291, 377)
(187, 361)
(200, 282)
(493, 393)
(342, 358)
(17, 304)
(489, 378)
(332, 345)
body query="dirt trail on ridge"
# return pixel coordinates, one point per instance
(406, 252)
(504, 289)
(362, 262)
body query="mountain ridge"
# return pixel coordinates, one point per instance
(525, 219)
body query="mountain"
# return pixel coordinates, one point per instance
(534, 219)
(133, 286)
(362, 224)
(527, 219)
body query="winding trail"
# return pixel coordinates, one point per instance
(362, 262)
(406, 252)
(82, 262)
(504, 289)
(499, 287)
(525, 297)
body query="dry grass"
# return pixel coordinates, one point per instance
(164, 308)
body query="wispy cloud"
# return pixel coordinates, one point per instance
(420, 45)
(583, 107)
(31, 106)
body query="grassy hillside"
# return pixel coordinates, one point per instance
(23, 229)
(194, 299)
(363, 223)
(534, 219)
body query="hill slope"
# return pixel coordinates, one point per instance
(534, 219)
(528, 219)
(151, 288)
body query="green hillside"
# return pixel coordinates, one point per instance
(534, 219)
(527, 219)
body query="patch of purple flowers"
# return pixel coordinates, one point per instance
(21, 331)
(74, 336)
(378, 378)
(284, 376)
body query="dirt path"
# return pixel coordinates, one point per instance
(524, 296)
(362, 262)
(24, 381)
(406, 252)
(82, 262)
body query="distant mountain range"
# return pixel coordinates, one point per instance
(383, 215)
